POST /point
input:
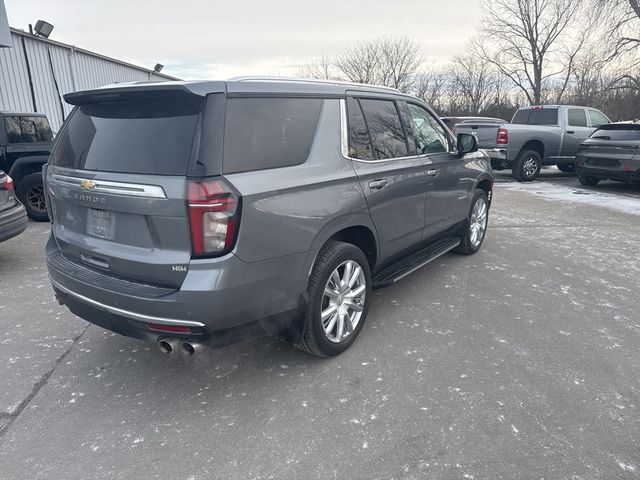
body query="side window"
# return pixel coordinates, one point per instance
(12, 126)
(265, 133)
(28, 129)
(385, 128)
(431, 137)
(359, 140)
(597, 119)
(577, 117)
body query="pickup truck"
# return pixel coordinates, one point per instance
(537, 136)
(25, 143)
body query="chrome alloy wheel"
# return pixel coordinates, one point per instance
(478, 223)
(343, 301)
(530, 167)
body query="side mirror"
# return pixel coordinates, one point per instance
(467, 144)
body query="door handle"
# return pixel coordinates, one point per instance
(432, 172)
(570, 132)
(377, 184)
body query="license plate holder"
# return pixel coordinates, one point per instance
(100, 223)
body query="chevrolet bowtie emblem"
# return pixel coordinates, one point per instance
(87, 184)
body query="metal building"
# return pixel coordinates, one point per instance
(35, 72)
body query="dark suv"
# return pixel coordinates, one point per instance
(25, 143)
(194, 213)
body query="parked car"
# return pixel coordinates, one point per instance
(537, 136)
(25, 144)
(451, 122)
(189, 213)
(610, 153)
(13, 218)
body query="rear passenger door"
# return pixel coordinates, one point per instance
(449, 182)
(577, 130)
(393, 182)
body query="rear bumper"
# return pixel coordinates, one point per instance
(12, 222)
(629, 173)
(221, 300)
(499, 154)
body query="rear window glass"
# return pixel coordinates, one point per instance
(150, 136)
(619, 133)
(27, 129)
(541, 116)
(265, 133)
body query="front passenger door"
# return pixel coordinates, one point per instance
(449, 181)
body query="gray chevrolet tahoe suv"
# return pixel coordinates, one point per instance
(192, 213)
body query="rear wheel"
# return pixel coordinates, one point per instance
(588, 180)
(476, 225)
(567, 167)
(527, 166)
(339, 291)
(30, 192)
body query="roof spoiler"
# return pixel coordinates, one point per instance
(132, 90)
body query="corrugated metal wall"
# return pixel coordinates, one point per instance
(73, 69)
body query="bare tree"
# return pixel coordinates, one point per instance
(473, 82)
(322, 68)
(400, 59)
(361, 63)
(430, 86)
(390, 62)
(523, 39)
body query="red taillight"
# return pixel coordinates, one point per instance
(168, 328)
(213, 217)
(8, 185)
(502, 137)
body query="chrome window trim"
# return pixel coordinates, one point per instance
(110, 187)
(139, 317)
(344, 142)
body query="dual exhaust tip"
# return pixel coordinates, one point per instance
(170, 345)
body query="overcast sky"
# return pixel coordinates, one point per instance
(212, 39)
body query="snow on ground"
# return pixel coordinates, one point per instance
(550, 191)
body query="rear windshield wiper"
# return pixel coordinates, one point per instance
(602, 137)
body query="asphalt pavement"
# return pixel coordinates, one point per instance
(520, 362)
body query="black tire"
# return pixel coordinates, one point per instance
(468, 246)
(330, 258)
(30, 192)
(567, 167)
(588, 180)
(527, 166)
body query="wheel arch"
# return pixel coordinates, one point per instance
(485, 182)
(358, 231)
(24, 166)
(535, 145)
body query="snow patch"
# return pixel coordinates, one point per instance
(563, 193)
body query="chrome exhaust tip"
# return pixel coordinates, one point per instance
(189, 348)
(167, 345)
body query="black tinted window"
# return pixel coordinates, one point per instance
(536, 116)
(27, 129)
(385, 128)
(577, 117)
(134, 136)
(359, 140)
(621, 132)
(268, 132)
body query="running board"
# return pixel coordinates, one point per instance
(413, 262)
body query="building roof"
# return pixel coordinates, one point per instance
(88, 52)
